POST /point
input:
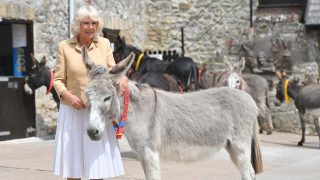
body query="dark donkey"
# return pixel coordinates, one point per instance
(41, 75)
(161, 81)
(306, 99)
(184, 69)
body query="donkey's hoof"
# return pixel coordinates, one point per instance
(269, 132)
(300, 143)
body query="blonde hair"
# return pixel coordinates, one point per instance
(86, 12)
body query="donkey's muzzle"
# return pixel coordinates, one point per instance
(94, 133)
(27, 89)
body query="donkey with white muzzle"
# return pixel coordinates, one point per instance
(182, 127)
(41, 75)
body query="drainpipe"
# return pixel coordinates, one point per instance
(251, 13)
(182, 41)
(71, 14)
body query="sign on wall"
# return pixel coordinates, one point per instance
(19, 49)
(19, 61)
(19, 35)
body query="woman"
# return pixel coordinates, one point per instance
(76, 156)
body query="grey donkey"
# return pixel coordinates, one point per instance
(306, 99)
(256, 85)
(183, 127)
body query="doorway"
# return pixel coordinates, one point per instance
(17, 109)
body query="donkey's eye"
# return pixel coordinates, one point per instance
(106, 98)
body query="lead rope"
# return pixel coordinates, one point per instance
(119, 127)
(51, 82)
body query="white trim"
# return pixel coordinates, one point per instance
(5, 133)
(71, 15)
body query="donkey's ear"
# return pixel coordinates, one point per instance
(283, 74)
(43, 61)
(278, 75)
(227, 64)
(33, 59)
(123, 66)
(121, 41)
(86, 59)
(242, 64)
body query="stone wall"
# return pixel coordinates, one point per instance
(212, 29)
(285, 23)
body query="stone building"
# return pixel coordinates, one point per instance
(211, 29)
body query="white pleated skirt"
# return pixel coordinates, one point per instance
(76, 156)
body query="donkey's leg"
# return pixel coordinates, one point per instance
(240, 154)
(316, 124)
(261, 124)
(264, 117)
(269, 121)
(150, 162)
(303, 129)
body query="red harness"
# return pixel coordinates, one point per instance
(180, 86)
(119, 127)
(51, 82)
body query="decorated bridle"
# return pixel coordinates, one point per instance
(119, 127)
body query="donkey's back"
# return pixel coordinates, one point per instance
(213, 112)
(210, 118)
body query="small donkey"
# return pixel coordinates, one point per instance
(182, 127)
(306, 99)
(257, 86)
(41, 75)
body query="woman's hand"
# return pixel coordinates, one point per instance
(73, 100)
(123, 83)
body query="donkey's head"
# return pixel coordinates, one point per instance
(251, 56)
(286, 88)
(232, 77)
(102, 94)
(39, 75)
(122, 50)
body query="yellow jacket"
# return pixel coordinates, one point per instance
(71, 72)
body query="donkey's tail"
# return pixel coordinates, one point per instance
(256, 159)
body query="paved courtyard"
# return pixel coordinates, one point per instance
(31, 159)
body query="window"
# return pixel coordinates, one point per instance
(279, 3)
